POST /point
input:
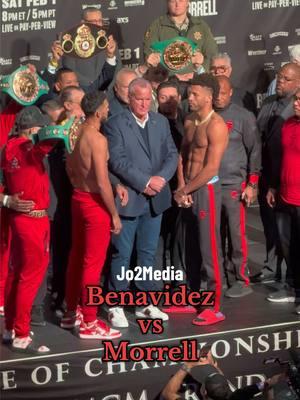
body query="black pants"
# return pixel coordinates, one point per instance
(185, 249)
(288, 222)
(268, 217)
(61, 227)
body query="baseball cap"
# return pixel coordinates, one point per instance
(217, 387)
(30, 117)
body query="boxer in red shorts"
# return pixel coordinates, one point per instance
(24, 173)
(94, 216)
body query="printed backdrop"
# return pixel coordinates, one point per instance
(255, 33)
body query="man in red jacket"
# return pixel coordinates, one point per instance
(286, 183)
(24, 172)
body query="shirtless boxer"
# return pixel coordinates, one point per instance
(204, 143)
(94, 215)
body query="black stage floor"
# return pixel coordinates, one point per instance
(249, 313)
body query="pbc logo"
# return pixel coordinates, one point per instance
(229, 125)
(122, 20)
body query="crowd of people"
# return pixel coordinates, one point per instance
(163, 168)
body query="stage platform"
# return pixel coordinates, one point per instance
(254, 330)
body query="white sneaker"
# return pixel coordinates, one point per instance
(152, 312)
(117, 318)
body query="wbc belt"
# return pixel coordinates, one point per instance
(176, 53)
(66, 132)
(24, 86)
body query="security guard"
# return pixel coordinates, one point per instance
(178, 22)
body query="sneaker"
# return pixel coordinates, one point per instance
(1, 311)
(71, 321)
(282, 296)
(117, 317)
(238, 289)
(152, 312)
(208, 317)
(267, 275)
(37, 316)
(97, 330)
(8, 336)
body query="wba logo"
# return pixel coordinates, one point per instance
(122, 20)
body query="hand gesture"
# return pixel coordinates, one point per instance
(122, 193)
(111, 47)
(153, 60)
(56, 50)
(197, 59)
(149, 192)
(116, 224)
(19, 205)
(157, 183)
(249, 195)
(271, 197)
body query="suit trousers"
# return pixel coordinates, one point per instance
(29, 262)
(207, 208)
(90, 239)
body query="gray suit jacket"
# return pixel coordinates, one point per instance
(132, 161)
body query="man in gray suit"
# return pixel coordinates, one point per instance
(144, 157)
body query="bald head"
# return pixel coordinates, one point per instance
(288, 80)
(225, 92)
(123, 79)
(224, 81)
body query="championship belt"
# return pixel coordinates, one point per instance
(66, 132)
(84, 40)
(176, 53)
(24, 86)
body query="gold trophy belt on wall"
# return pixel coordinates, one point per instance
(84, 40)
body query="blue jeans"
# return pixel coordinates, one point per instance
(146, 229)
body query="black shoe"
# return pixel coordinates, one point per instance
(58, 308)
(267, 275)
(239, 289)
(37, 316)
(285, 295)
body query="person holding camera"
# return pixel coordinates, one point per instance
(213, 385)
